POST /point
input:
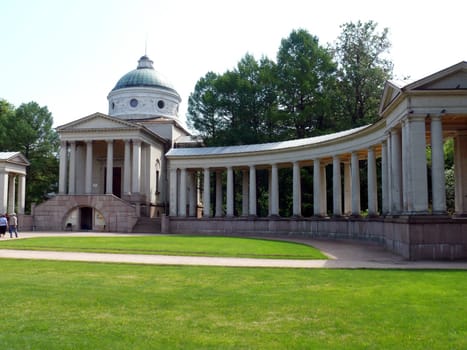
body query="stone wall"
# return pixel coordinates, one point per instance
(51, 215)
(414, 238)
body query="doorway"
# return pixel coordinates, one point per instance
(116, 181)
(85, 218)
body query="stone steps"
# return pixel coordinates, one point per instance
(147, 225)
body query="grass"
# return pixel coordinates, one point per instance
(171, 245)
(76, 305)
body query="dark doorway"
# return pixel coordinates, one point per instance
(85, 218)
(116, 181)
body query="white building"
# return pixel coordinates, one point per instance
(153, 177)
(12, 182)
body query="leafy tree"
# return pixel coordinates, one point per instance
(235, 107)
(305, 74)
(363, 70)
(203, 109)
(247, 97)
(29, 131)
(7, 110)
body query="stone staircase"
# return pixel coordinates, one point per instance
(147, 225)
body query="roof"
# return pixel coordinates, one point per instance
(13, 157)
(272, 146)
(143, 76)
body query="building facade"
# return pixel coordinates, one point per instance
(153, 176)
(12, 182)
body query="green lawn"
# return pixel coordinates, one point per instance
(172, 245)
(75, 305)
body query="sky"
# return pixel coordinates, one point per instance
(68, 55)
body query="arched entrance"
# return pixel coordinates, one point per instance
(85, 219)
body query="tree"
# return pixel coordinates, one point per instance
(7, 110)
(305, 74)
(362, 71)
(203, 109)
(29, 131)
(235, 107)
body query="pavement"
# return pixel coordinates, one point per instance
(342, 254)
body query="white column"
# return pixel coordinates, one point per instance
(62, 170)
(252, 191)
(136, 176)
(389, 173)
(88, 180)
(438, 180)
(72, 169)
(206, 194)
(372, 183)
(324, 194)
(3, 191)
(336, 186)
(347, 188)
(219, 196)
(110, 167)
(317, 188)
(11, 193)
(355, 165)
(418, 172)
(245, 196)
(173, 186)
(407, 204)
(274, 190)
(182, 193)
(296, 192)
(21, 193)
(396, 175)
(384, 178)
(230, 192)
(127, 168)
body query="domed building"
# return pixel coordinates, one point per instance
(113, 170)
(135, 170)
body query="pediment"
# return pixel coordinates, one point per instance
(390, 92)
(97, 121)
(14, 157)
(452, 78)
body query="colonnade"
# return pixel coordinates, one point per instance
(69, 177)
(403, 176)
(12, 192)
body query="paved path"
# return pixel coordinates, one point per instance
(342, 254)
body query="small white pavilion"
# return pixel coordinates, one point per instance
(12, 182)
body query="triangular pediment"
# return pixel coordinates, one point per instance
(97, 121)
(14, 157)
(452, 78)
(390, 92)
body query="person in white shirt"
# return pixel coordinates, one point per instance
(13, 225)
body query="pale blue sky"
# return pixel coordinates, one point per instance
(68, 55)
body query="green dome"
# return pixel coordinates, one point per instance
(143, 76)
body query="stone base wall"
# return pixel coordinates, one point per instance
(414, 238)
(51, 215)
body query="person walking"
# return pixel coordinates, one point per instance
(3, 225)
(13, 225)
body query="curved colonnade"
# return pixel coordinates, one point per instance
(414, 118)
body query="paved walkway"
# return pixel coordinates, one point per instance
(342, 254)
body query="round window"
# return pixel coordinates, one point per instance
(133, 102)
(160, 104)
